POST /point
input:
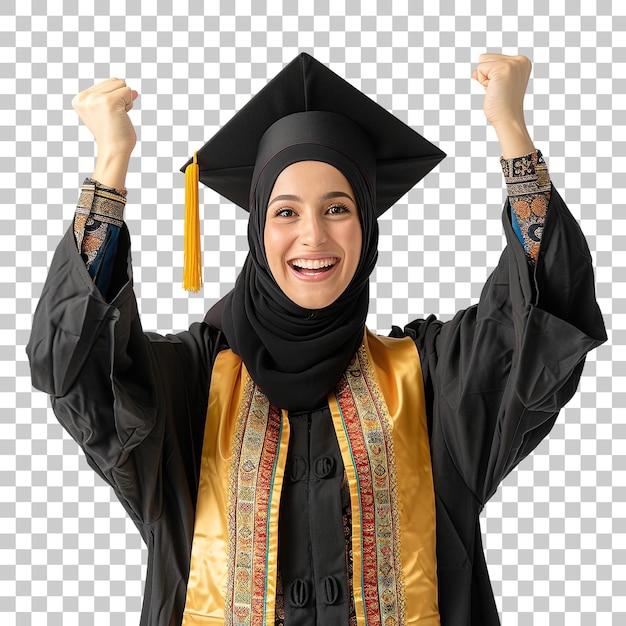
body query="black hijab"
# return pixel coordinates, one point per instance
(297, 355)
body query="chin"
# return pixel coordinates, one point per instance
(313, 303)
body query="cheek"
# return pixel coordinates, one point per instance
(354, 242)
(273, 249)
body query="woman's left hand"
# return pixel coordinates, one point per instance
(505, 79)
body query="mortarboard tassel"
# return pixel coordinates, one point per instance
(192, 269)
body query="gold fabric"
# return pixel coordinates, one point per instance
(233, 398)
(208, 574)
(395, 386)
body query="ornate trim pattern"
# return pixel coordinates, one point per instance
(256, 442)
(367, 425)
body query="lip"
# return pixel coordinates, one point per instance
(313, 257)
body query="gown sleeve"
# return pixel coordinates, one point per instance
(498, 373)
(135, 402)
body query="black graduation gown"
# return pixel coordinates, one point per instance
(495, 377)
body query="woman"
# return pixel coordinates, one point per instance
(376, 454)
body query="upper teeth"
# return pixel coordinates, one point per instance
(313, 264)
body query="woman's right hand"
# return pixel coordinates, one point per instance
(104, 110)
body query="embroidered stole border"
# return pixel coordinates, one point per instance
(365, 422)
(257, 436)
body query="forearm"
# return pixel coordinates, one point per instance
(514, 138)
(111, 168)
(527, 181)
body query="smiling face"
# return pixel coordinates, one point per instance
(312, 233)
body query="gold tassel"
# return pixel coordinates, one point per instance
(192, 270)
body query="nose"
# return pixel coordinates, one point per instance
(312, 230)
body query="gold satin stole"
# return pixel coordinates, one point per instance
(379, 416)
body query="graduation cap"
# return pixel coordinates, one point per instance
(226, 163)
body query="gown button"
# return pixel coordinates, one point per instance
(297, 469)
(299, 593)
(324, 467)
(331, 589)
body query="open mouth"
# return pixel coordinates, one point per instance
(312, 267)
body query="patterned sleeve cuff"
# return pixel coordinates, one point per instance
(528, 186)
(105, 202)
(526, 174)
(98, 207)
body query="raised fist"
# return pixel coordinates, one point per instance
(505, 79)
(104, 110)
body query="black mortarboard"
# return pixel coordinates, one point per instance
(226, 163)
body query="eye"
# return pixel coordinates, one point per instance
(338, 209)
(284, 212)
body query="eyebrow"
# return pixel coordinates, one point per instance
(327, 196)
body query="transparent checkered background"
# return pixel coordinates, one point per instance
(555, 532)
